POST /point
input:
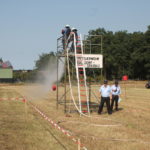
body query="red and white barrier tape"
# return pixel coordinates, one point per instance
(14, 98)
(58, 127)
(49, 120)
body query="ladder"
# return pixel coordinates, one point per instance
(83, 95)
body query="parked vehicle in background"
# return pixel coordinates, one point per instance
(148, 85)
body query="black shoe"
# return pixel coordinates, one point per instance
(110, 113)
(99, 113)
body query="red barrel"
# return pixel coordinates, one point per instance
(54, 87)
(125, 78)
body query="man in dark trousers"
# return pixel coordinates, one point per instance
(105, 92)
(73, 32)
(116, 91)
(65, 34)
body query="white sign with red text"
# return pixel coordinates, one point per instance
(90, 60)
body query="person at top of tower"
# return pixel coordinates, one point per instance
(65, 34)
(73, 32)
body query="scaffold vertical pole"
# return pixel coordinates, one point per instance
(65, 50)
(101, 54)
(57, 78)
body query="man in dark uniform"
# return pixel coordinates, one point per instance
(105, 92)
(73, 35)
(65, 32)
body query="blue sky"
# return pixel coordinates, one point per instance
(29, 28)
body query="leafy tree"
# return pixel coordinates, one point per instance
(124, 53)
(44, 59)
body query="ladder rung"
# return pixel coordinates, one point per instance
(78, 46)
(81, 79)
(80, 69)
(78, 51)
(84, 105)
(83, 101)
(80, 65)
(82, 90)
(84, 111)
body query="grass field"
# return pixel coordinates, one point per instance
(22, 128)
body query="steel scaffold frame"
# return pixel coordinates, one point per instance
(67, 58)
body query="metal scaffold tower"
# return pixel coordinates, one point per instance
(75, 89)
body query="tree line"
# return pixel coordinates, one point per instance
(124, 54)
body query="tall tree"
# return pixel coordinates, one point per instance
(124, 53)
(44, 59)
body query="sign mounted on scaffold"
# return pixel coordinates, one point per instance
(90, 60)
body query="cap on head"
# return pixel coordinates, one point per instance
(67, 26)
(105, 81)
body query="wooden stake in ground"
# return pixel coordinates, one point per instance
(79, 144)
(125, 78)
(125, 90)
(25, 108)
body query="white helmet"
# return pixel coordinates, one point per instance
(67, 26)
(74, 29)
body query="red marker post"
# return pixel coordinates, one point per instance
(125, 78)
